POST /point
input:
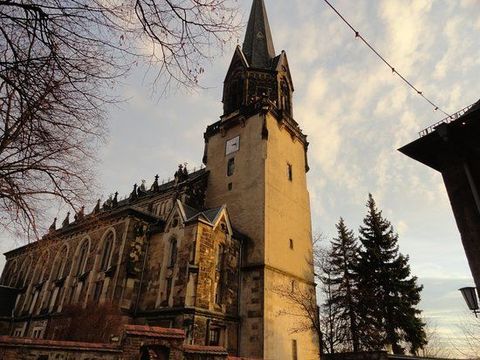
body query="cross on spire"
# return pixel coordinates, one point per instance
(258, 45)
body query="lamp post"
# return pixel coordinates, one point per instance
(470, 296)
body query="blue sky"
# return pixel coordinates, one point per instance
(356, 113)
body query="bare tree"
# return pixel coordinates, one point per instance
(93, 323)
(469, 343)
(303, 299)
(58, 58)
(434, 348)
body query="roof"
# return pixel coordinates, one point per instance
(154, 331)
(258, 45)
(193, 214)
(126, 207)
(63, 345)
(443, 143)
(200, 349)
(474, 107)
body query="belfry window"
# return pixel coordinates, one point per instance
(231, 167)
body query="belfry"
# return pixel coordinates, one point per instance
(256, 156)
(213, 253)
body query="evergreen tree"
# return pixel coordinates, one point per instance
(389, 294)
(343, 259)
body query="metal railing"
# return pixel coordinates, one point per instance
(447, 120)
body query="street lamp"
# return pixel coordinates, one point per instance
(470, 296)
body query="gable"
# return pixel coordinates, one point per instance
(283, 69)
(238, 63)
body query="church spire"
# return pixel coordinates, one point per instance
(258, 45)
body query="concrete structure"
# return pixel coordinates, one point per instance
(212, 252)
(452, 147)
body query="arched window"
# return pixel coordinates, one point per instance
(39, 274)
(9, 273)
(106, 254)
(286, 97)
(59, 268)
(82, 257)
(25, 272)
(173, 252)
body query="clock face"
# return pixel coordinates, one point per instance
(232, 145)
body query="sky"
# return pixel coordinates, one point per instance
(356, 114)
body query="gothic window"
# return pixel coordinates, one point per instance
(60, 264)
(294, 350)
(173, 253)
(82, 257)
(59, 271)
(192, 252)
(37, 332)
(220, 255)
(40, 270)
(214, 337)
(231, 167)
(9, 275)
(168, 289)
(285, 99)
(234, 95)
(219, 274)
(263, 91)
(98, 291)
(290, 172)
(24, 273)
(175, 221)
(107, 251)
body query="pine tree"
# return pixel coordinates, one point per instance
(343, 259)
(388, 291)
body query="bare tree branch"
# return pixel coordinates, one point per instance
(58, 60)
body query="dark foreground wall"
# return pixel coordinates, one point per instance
(137, 343)
(373, 355)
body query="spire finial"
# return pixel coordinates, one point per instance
(53, 227)
(155, 187)
(258, 45)
(66, 221)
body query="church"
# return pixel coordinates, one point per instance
(209, 252)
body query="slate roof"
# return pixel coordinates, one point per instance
(154, 331)
(475, 107)
(208, 350)
(258, 45)
(193, 214)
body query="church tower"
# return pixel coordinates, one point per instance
(256, 156)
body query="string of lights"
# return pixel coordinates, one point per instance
(392, 68)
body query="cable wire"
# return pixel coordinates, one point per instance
(394, 71)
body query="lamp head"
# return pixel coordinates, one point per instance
(470, 296)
